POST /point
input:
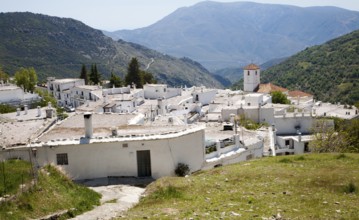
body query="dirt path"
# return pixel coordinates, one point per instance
(115, 199)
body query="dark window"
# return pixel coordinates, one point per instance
(287, 142)
(256, 72)
(62, 159)
(125, 145)
(248, 73)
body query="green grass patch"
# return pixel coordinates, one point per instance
(314, 186)
(13, 173)
(52, 193)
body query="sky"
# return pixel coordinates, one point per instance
(114, 15)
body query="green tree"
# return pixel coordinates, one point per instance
(147, 77)
(26, 78)
(83, 74)
(95, 76)
(115, 80)
(46, 97)
(3, 76)
(133, 73)
(343, 137)
(279, 97)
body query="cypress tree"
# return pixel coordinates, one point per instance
(83, 74)
(133, 74)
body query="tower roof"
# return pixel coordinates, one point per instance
(251, 66)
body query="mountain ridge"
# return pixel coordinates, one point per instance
(59, 46)
(220, 35)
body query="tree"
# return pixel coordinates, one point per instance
(3, 76)
(83, 74)
(147, 77)
(279, 97)
(26, 78)
(95, 76)
(133, 74)
(343, 137)
(115, 80)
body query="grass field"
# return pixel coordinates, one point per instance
(53, 192)
(313, 186)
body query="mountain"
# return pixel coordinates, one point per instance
(220, 35)
(329, 71)
(59, 46)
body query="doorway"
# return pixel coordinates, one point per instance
(144, 163)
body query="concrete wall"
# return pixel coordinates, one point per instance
(287, 125)
(11, 94)
(205, 97)
(155, 91)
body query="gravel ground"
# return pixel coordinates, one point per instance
(115, 198)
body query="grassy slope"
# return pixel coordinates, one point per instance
(297, 187)
(54, 192)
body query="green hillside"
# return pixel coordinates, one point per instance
(59, 46)
(329, 71)
(314, 186)
(52, 193)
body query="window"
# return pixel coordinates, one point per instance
(125, 145)
(248, 73)
(62, 159)
(287, 142)
(256, 72)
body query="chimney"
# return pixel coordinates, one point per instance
(88, 124)
(25, 108)
(38, 111)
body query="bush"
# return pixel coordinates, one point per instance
(182, 169)
(350, 188)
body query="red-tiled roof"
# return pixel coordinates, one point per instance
(297, 93)
(251, 66)
(269, 87)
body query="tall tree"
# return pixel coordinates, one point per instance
(26, 78)
(115, 80)
(95, 76)
(133, 74)
(83, 74)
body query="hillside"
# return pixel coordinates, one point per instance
(312, 186)
(52, 193)
(220, 35)
(329, 71)
(59, 46)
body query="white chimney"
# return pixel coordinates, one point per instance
(25, 108)
(38, 111)
(88, 124)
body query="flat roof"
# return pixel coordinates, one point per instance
(66, 80)
(8, 87)
(74, 127)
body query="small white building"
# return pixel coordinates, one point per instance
(102, 145)
(82, 93)
(251, 75)
(60, 89)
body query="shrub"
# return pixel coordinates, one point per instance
(182, 169)
(350, 188)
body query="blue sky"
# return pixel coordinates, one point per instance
(130, 14)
